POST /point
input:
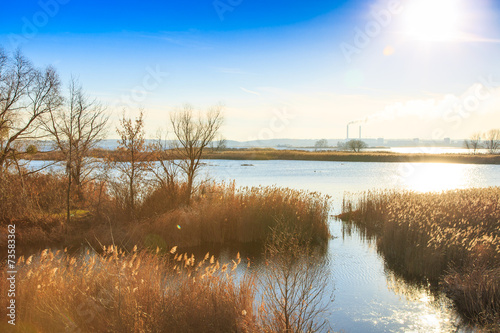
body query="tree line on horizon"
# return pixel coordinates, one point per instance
(489, 140)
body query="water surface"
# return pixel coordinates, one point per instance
(368, 296)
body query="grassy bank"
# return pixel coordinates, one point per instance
(341, 156)
(452, 238)
(217, 214)
(302, 155)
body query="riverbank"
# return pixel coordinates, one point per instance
(341, 156)
(451, 239)
(302, 155)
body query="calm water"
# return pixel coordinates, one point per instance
(367, 296)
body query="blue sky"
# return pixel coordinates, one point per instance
(292, 69)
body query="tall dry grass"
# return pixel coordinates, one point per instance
(218, 213)
(223, 213)
(451, 237)
(36, 203)
(130, 292)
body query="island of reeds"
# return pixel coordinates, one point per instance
(451, 239)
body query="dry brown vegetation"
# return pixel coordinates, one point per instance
(36, 203)
(302, 155)
(222, 213)
(451, 237)
(141, 291)
(217, 214)
(341, 156)
(131, 292)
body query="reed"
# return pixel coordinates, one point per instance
(138, 291)
(223, 213)
(218, 213)
(452, 238)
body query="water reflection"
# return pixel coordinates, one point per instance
(423, 307)
(432, 177)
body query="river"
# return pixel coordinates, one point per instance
(367, 296)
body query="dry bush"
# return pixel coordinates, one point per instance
(134, 292)
(163, 199)
(36, 203)
(28, 197)
(445, 237)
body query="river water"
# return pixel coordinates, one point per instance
(368, 297)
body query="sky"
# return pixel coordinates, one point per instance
(282, 69)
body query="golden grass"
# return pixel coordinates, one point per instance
(130, 292)
(218, 214)
(222, 213)
(346, 156)
(451, 237)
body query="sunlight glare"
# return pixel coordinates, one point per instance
(435, 177)
(432, 20)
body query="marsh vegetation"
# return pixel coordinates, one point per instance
(450, 238)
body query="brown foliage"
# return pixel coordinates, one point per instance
(448, 237)
(130, 292)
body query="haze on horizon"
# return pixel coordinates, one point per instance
(283, 69)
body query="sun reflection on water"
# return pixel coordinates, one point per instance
(433, 177)
(432, 312)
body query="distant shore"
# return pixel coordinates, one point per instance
(341, 156)
(302, 155)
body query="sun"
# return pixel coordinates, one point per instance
(433, 20)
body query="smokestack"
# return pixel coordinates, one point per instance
(347, 131)
(360, 132)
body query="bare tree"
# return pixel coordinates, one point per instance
(26, 94)
(219, 144)
(193, 134)
(77, 128)
(133, 163)
(473, 143)
(166, 169)
(492, 142)
(356, 145)
(295, 283)
(323, 143)
(342, 145)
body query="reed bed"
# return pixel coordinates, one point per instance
(452, 238)
(138, 291)
(223, 213)
(348, 156)
(217, 214)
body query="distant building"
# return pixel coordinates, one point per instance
(447, 141)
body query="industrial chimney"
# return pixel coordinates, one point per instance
(360, 132)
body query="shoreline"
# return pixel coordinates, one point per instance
(302, 155)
